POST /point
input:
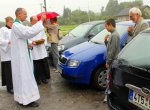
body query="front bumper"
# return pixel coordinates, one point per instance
(75, 74)
(118, 100)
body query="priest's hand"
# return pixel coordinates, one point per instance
(43, 18)
(43, 40)
(33, 43)
(30, 46)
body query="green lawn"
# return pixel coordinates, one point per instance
(66, 28)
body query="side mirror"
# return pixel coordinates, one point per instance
(90, 36)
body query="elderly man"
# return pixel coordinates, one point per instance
(136, 16)
(41, 68)
(5, 51)
(25, 88)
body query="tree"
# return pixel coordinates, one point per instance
(66, 12)
(111, 8)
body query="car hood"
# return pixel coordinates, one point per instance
(87, 49)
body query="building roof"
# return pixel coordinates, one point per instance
(145, 6)
(125, 12)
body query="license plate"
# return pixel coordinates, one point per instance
(139, 100)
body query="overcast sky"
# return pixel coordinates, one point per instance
(8, 7)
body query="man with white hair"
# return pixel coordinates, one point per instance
(135, 15)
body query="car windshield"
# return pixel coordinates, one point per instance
(80, 30)
(99, 38)
(137, 51)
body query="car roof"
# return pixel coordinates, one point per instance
(93, 22)
(146, 31)
(132, 23)
(126, 23)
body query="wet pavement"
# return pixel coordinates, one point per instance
(59, 94)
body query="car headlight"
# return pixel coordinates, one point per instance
(61, 47)
(73, 63)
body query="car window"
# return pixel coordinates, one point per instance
(99, 38)
(95, 30)
(137, 51)
(80, 30)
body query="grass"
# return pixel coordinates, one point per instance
(66, 28)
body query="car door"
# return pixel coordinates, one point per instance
(95, 30)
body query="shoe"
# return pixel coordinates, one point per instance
(38, 82)
(105, 99)
(10, 91)
(20, 104)
(56, 71)
(33, 104)
(44, 81)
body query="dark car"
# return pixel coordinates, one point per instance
(80, 34)
(130, 76)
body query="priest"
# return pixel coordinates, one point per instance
(26, 92)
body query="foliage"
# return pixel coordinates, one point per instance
(77, 17)
(66, 12)
(66, 28)
(2, 24)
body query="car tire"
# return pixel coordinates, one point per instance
(99, 78)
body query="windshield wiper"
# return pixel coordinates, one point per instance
(123, 61)
(95, 42)
(72, 34)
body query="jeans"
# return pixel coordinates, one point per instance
(107, 91)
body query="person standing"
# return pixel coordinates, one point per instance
(26, 92)
(5, 51)
(135, 15)
(112, 43)
(39, 54)
(53, 38)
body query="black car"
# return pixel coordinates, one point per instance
(80, 34)
(129, 77)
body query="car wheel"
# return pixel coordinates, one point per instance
(99, 78)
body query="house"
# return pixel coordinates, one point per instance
(123, 15)
(146, 10)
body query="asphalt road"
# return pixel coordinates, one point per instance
(59, 94)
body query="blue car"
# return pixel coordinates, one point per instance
(85, 63)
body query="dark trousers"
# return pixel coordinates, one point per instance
(41, 69)
(7, 75)
(55, 54)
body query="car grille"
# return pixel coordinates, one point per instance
(62, 59)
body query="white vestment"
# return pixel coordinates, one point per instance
(25, 87)
(5, 50)
(39, 51)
